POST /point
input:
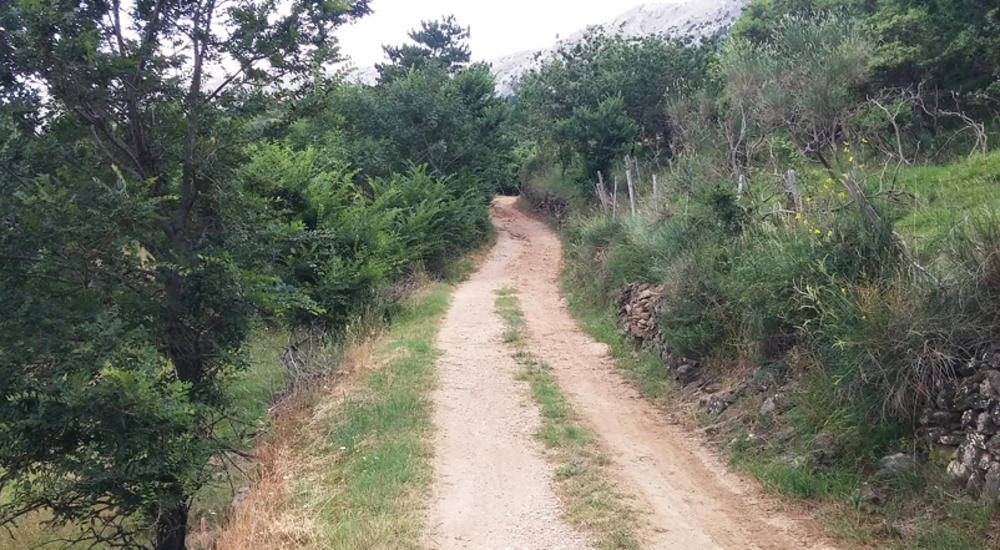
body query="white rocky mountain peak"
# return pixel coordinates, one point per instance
(674, 19)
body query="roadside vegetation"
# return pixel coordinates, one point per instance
(173, 221)
(352, 467)
(815, 199)
(591, 499)
(191, 188)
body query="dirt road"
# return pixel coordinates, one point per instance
(493, 488)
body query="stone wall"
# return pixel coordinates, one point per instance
(640, 307)
(964, 421)
(550, 204)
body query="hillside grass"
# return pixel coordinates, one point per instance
(820, 304)
(946, 198)
(591, 499)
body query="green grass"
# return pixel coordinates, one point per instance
(365, 482)
(946, 197)
(592, 500)
(793, 478)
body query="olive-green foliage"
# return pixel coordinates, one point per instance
(803, 79)
(154, 212)
(606, 95)
(351, 241)
(835, 307)
(953, 44)
(453, 123)
(818, 298)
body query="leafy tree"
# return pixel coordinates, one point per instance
(598, 98)
(598, 134)
(126, 254)
(453, 123)
(443, 43)
(951, 43)
(803, 81)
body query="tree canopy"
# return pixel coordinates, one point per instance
(171, 182)
(443, 43)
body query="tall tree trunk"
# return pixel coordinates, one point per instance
(171, 528)
(181, 341)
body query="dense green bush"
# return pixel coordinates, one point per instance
(349, 242)
(952, 44)
(156, 211)
(606, 96)
(452, 122)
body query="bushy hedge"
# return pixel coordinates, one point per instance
(349, 242)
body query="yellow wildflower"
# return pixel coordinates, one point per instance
(798, 216)
(829, 233)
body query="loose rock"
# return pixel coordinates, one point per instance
(717, 405)
(824, 449)
(894, 465)
(869, 499)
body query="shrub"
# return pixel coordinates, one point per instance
(347, 242)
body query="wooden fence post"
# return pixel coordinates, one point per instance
(602, 193)
(614, 201)
(629, 171)
(794, 197)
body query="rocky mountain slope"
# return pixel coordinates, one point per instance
(675, 19)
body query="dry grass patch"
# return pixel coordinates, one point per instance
(349, 466)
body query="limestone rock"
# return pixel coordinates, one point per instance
(869, 499)
(717, 405)
(991, 483)
(893, 465)
(824, 448)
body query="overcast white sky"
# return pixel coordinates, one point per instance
(498, 27)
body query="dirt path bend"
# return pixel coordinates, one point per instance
(692, 500)
(492, 487)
